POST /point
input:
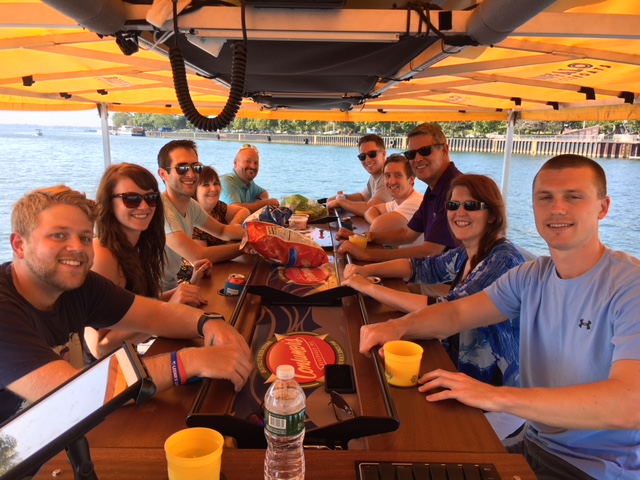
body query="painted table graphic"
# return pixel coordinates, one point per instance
(307, 337)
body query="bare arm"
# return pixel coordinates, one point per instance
(611, 404)
(400, 268)
(236, 214)
(388, 221)
(401, 301)
(228, 357)
(385, 254)
(261, 201)
(193, 250)
(436, 321)
(356, 207)
(43, 380)
(374, 212)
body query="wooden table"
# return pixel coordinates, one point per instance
(446, 426)
(128, 444)
(150, 463)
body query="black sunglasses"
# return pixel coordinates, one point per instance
(183, 168)
(341, 408)
(371, 154)
(133, 200)
(423, 151)
(468, 206)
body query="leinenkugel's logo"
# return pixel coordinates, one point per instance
(308, 353)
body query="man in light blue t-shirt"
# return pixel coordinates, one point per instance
(579, 336)
(239, 187)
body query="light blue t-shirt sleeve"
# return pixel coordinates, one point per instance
(505, 292)
(229, 192)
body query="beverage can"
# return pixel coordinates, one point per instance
(347, 223)
(234, 284)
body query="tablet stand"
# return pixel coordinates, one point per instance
(80, 459)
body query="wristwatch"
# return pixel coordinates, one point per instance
(205, 318)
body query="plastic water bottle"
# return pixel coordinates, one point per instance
(340, 195)
(284, 413)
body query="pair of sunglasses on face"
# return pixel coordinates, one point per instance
(372, 154)
(423, 151)
(183, 168)
(468, 206)
(133, 200)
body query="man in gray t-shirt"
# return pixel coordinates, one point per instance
(179, 169)
(372, 156)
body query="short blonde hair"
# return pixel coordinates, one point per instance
(24, 217)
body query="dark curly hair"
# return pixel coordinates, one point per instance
(143, 263)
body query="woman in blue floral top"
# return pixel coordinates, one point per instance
(477, 218)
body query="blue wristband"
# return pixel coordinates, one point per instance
(175, 371)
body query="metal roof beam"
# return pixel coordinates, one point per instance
(470, 67)
(529, 82)
(559, 49)
(547, 24)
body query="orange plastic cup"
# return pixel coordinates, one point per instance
(402, 363)
(194, 454)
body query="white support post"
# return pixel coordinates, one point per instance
(508, 148)
(103, 111)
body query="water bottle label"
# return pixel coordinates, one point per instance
(284, 425)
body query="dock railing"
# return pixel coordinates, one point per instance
(594, 146)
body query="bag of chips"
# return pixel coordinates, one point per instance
(282, 246)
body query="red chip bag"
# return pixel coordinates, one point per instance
(282, 246)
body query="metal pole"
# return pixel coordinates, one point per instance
(103, 111)
(508, 147)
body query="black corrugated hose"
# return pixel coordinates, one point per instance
(236, 90)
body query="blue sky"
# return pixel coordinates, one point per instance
(86, 118)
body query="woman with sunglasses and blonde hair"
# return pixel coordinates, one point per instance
(477, 218)
(129, 245)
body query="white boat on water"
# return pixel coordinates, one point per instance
(38, 132)
(131, 131)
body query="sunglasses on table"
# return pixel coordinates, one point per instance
(372, 154)
(183, 168)
(341, 408)
(133, 200)
(423, 151)
(468, 206)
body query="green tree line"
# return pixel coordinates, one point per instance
(451, 129)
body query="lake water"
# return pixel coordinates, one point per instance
(74, 157)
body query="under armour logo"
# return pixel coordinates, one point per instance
(585, 324)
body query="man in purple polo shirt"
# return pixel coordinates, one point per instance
(429, 156)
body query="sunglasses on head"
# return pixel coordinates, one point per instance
(423, 151)
(468, 206)
(248, 145)
(183, 168)
(371, 154)
(133, 200)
